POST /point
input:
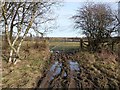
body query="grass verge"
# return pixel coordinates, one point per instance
(26, 72)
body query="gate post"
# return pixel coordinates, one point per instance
(81, 44)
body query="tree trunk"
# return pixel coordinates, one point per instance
(19, 46)
(10, 58)
(17, 53)
(11, 33)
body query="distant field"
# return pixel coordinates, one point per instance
(63, 45)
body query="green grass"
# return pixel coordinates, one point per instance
(22, 75)
(63, 45)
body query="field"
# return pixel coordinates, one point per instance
(64, 45)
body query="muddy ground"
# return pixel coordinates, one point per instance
(65, 72)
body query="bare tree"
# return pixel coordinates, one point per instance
(97, 22)
(19, 17)
(119, 18)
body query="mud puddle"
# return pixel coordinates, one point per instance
(62, 74)
(74, 66)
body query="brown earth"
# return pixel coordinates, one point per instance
(82, 70)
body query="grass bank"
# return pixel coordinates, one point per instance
(100, 69)
(34, 59)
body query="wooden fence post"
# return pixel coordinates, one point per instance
(81, 44)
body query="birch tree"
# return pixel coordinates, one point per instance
(19, 17)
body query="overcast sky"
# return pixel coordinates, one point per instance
(64, 22)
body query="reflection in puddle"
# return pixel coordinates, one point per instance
(74, 65)
(53, 66)
(65, 74)
(56, 69)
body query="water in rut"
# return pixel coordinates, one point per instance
(62, 73)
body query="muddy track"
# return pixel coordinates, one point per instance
(63, 73)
